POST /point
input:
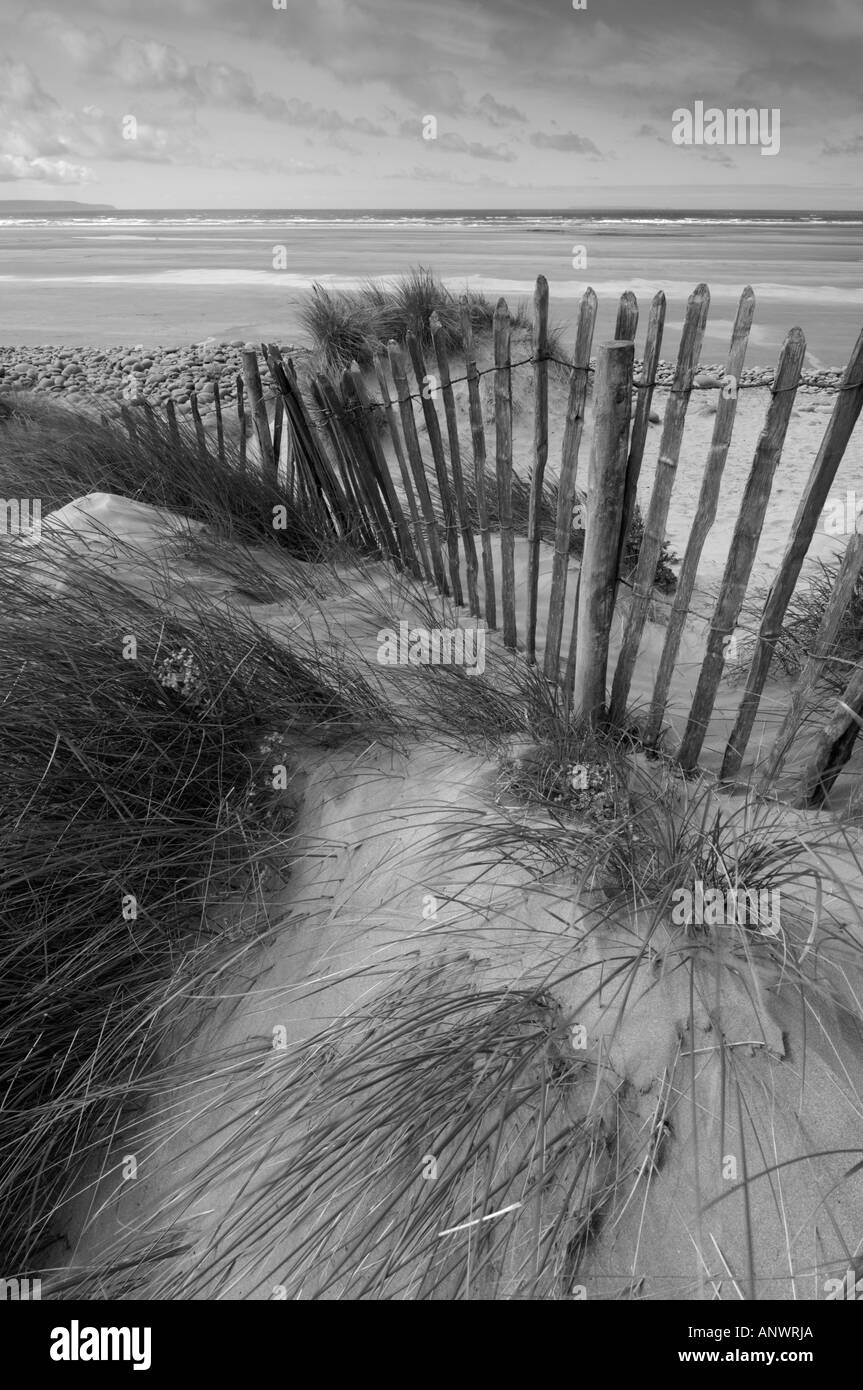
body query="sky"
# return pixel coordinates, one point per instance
(299, 104)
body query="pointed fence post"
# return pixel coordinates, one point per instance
(641, 422)
(398, 368)
(835, 743)
(828, 630)
(605, 495)
(705, 515)
(626, 326)
(241, 417)
(407, 482)
(744, 543)
(468, 543)
(657, 514)
(540, 455)
(849, 402)
(432, 423)
(254, 391)
(479, 462)
(578, 390)
(503, 456)
(220, 428)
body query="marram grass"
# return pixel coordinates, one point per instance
(448, 1136)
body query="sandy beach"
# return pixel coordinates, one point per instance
(376, 836)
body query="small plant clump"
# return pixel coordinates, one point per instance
(585, 790)
(181, 673)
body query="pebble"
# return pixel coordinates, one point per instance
(104, 373)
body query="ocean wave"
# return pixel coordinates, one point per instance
(203, 276)
(194, 276)
(674, 289)
(540, 220)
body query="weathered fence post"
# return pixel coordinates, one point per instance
(241, 417)
(849, 402)
(407, 484)
(366, 428)
(540, 455)
(641, 422)
(430, 416)
(578, 385)
(479, 461)
(370, 509)
(400, 381)
(503, 458)
(835, 743)
(744, 543)
(705, 516)
(660, 498)
(361, 529)
(173, 427)
(831, 621)
(467, 539)
(255, 394)
(311, 457)
(278, 420)
(605, 495)
(199, 427)
(130, 423)
(220, 428)
(626, 326)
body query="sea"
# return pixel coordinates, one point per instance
(166, 277)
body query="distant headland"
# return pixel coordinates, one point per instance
(8, 205)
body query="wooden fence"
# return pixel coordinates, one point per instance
(423, 512)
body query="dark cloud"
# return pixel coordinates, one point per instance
(453, 143)
(152, 66)
(456, 144)
(567, 140)
(846, 147)
(497, 113)
(716, 156)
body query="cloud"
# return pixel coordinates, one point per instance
(41, 170)
(853, 146)
(456, 144)
(453, 143)
(252, 164)
(304, 113)
(426, 174)
(567, 140)
(340, 142)
(430, 54)
(36, 129)
(496, 113)
(151, 65)
(717, 156)
(840, 20)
